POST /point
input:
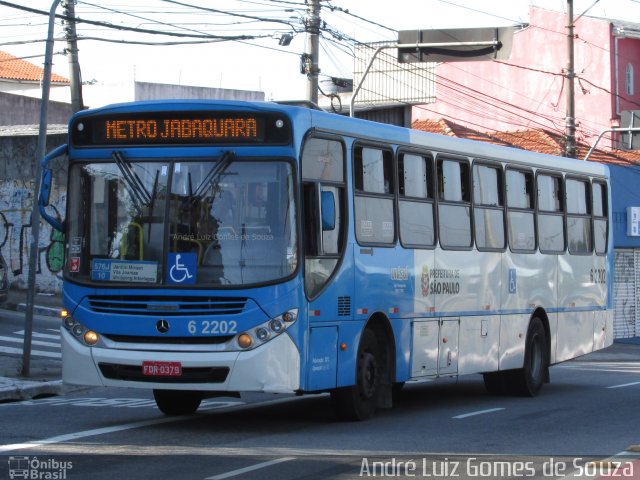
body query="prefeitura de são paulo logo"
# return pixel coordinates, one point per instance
(424, 280)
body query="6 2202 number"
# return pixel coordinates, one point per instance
(212, 327)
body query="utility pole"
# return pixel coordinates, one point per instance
(35, 212)
(570, 131)
(310, 57)
(72, 52)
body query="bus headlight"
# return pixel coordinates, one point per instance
(276, 325)
(69, 322)
(245, 340)
(268, 330)
(90, 337)
(79, 331)
(262, 334)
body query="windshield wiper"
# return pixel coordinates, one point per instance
(132, 179)
(216, 171)
(152, 200)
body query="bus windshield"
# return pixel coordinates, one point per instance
(229, 222)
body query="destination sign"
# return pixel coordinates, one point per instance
(181, 128)
(109, 270)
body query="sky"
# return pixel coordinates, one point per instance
(255, 64)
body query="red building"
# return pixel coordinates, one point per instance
(528, 91)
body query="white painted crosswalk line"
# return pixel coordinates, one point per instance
(51, 336)
(33, 342)
(35, 353)
(45, 344)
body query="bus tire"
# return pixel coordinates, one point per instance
(359, 401)
(177, 402)
(527, 381)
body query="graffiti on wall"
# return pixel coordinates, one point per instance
(16, 203)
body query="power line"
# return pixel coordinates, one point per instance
(347, 12)
(232, 14)
(129, 29)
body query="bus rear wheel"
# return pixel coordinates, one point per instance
(527, 381)
(177, 402)
(359, 401)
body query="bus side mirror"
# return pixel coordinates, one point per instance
(45, 188)
(328, 209)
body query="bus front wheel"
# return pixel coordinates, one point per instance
(177, 402)
(359, 401)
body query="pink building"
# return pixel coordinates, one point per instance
(528, 91)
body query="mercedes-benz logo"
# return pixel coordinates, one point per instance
(162, 326)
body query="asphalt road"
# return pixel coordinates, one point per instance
(448, 429)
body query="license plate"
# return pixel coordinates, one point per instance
(162, 369)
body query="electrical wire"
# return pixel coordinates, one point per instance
(473, 101)
(130, 29)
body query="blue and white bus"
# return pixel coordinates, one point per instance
(219, 247)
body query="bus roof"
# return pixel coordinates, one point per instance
(368, 131)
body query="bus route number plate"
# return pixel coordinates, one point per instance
(162, 369)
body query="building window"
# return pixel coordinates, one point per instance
(629, 79)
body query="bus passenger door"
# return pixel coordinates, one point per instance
(328, 270)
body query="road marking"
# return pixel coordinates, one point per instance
(258, 466)
(132, 425)
(625, 385)
(33, 342)
(206, 405)
(40, 353)
(628, 367)
(479, 412)
(41, 335)
(89, 433)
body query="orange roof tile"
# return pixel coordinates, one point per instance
(541, 141)
(452, 129)
(13, 68)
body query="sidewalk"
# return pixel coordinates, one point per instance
(45, 373)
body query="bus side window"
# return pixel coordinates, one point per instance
(600, 212)
(520, 210)
(454, 204)
(578, 216)
(374, 200)
(415, 204)
(551, 238)
(322, 177)
(488, 207)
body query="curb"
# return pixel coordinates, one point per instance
(26, 390)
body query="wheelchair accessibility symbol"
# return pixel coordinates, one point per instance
(181, 268)
(513, 285)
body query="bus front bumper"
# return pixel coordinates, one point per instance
(273, 367)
